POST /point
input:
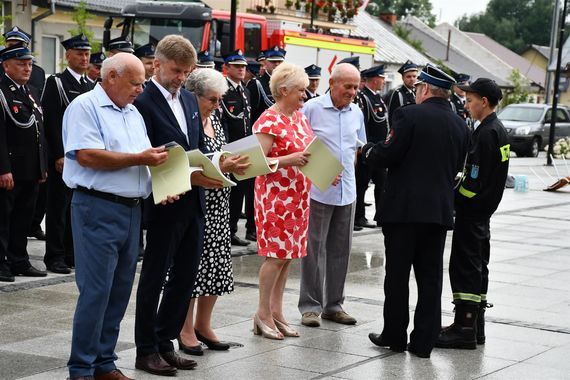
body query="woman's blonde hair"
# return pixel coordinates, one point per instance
(289, 76)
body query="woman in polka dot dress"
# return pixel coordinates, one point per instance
(281, 198)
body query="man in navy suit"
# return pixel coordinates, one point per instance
(174, 232)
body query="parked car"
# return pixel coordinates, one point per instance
(528, 126)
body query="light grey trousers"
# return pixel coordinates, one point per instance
(323, 270)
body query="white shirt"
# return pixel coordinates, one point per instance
(236, 85)
(75, 75)
(173, 101)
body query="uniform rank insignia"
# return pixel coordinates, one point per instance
(474, 171)
(15, 109)
(231, 109)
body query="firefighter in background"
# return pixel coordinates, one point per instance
(406, 93)
(22, 161)
(314, 74)
(120, 45)
(376, 122)
(17, 36)
(261, 98)
(60, 90)
(94, 70)
(205, 60)
(252, 71)
(457, 99)
(261, 60)
(146, 54)
(477, 199)
(354, 61)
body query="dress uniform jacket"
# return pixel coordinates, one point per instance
(423, 152)
(260, 95)
(485, 171)
(375, 114)
(54, 104)
(401, 97)
(37, 79)
(22, 149)
(309, 95)
(236, 112)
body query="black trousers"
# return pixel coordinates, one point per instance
(59, 240)
(364, 174)
(420, 246)
(243, 189)
(468, 264)
(16, 210)
(172, 248)
(40, 209)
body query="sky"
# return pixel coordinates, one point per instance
(451, 10)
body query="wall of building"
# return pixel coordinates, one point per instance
(535, 58)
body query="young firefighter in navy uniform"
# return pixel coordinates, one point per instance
(59, 91)
(457, 99)
(236, 119)
(477, 199)
(22, 161)
(261, 98)
(376, 121)
(405, 94)
(314, 74)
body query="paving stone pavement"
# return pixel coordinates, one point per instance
(528, 330)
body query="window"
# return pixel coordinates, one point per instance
(222, 38)
(153, 30)
(560, 116)
(50, 54)
(251, 39)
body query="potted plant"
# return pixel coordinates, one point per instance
(259, 8)
(308, 6)
(272, 9)
(267, 2)
(350, 13)
(288, 4)
(298, 5)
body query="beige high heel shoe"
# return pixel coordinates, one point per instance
(285, 329)
(260, 328)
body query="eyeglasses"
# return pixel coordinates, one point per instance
(213, 99)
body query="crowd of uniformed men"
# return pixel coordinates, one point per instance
(32, 159)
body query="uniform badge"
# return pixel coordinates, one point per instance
(15, 109)
(231, 109)
(474, 171)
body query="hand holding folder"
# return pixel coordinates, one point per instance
(323, 168)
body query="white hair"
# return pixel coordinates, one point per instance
(289, 76)
(343, 70)
(119, 63)
(204, 80)
(438, 91)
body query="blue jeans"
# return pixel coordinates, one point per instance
(105, 240)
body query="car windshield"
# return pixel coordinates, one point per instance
(530, 114)
(153, 30)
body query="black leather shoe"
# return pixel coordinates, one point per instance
(378, 340)
(190, 350)
(58, 267)
(6, 275)
(251, 236)
(155, 364)
(420, 354)
(177, 361)
(37, 233)
(363, 222)
(239, 241)
(357, 228)
(31, 272)
(216, 346)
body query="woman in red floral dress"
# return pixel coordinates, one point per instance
(281, 198)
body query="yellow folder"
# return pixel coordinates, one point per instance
(323, 167)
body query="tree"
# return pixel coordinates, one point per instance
(81, 15)
(513, 23)
(519, 92)
(403, 8)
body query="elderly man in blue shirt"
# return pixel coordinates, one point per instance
(339, 123)
(106, 156)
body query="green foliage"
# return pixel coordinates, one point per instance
(519, 92)
(2, 20)
(404, 33)
(81, 15)
(422, 9)
(513, 23)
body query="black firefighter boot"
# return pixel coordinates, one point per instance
(481, 321)
(461, 334)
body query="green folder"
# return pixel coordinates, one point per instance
(323, 167)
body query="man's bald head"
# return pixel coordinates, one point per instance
(123, 76)
(344, 82)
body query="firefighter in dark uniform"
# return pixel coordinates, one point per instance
(376, 122)
(22, 161)
(251, 71)
(60, 90)
(406, 93)
(424, 151)
(261, 98)
(204, 60)
(476, 200)
(457, 99)
(261, 60)
(94, 70)
(120, 45)
(314, 74)
(354, 61)
(146, 54)
(236, 119)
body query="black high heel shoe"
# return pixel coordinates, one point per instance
(190, 350)
(215, 346)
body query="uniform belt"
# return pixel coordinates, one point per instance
(130, 202)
